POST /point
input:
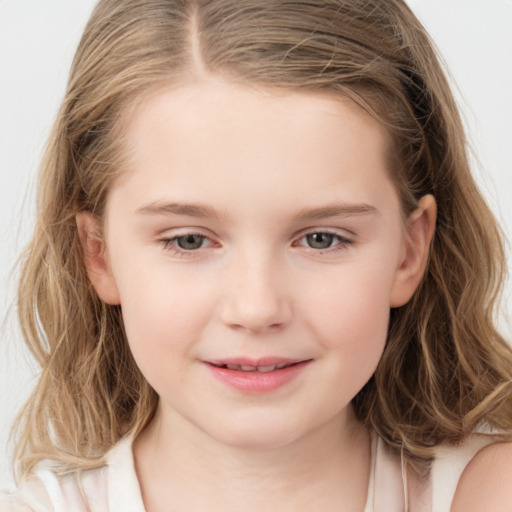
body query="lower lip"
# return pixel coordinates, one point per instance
(257, 382)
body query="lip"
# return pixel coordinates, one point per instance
(255, 382)
(260, 361)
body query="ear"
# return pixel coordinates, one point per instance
(95, 259)
(420, 230)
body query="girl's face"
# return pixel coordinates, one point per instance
(253, 230)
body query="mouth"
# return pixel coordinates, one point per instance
(255, 368)
(257, 376)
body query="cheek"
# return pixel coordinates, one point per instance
(355, 302)
(351, 316)
(163, 313)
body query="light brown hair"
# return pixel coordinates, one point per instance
(445, 369)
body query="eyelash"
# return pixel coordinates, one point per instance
(342, 243)
(171, 244)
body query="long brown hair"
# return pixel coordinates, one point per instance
(445, 369)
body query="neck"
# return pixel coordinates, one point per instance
(181, 467)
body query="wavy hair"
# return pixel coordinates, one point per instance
(445, 368)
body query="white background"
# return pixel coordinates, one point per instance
(37, 41)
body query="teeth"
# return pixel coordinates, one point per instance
(265, 369)
(262, 369)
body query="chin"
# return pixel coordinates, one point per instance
(258, 435)
(261, 442)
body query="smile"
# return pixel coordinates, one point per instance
(249, 368)
(257, 377)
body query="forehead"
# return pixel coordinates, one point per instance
(215, 99)
(251, 141)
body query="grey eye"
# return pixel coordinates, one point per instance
(320, 240)
(190, 242)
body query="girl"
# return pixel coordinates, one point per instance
(262, 273)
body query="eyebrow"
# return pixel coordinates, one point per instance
(188, 209)
(337, 210)
(204, 211)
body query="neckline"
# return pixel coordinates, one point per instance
(370, 495)
(124, 492)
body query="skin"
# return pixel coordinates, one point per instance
(486, 483)
(265, 168)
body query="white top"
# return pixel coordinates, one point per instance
(115, 488)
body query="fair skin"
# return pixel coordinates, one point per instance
(255, 225)
(486, 484)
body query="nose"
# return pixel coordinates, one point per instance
(256, 296)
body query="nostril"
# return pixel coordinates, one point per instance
(253, 327)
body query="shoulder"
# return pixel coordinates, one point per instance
(486, 482)
(31, 496)
(46, 491)
(111, 486)
(12, 502)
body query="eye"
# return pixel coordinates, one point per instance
(320, 240)
(323, 241)
(190, 242)
(186, 244)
